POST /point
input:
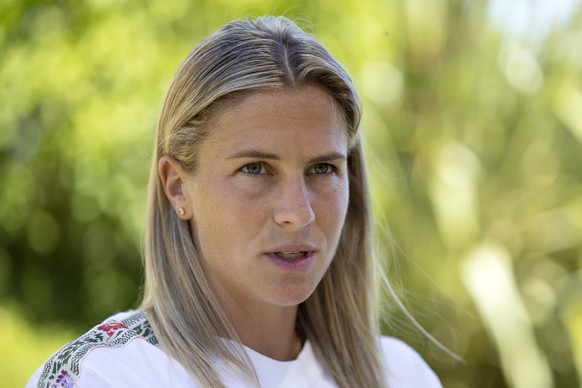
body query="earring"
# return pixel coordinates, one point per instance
(182, 211)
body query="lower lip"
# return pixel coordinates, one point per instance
(292, 265)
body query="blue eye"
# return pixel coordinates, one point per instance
(255, 168)
(322, 168)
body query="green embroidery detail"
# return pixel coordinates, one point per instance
(63, 368)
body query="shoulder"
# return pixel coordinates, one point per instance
(405, 367)
(64, 368)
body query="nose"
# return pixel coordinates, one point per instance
(293, 207)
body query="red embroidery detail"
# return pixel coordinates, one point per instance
(111, 327)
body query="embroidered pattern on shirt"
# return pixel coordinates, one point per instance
(62, 370)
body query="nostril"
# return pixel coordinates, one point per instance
(293, 206)
(298, 216)
(297, 213)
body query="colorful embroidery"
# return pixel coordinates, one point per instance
(65, 380)
(62, 370)
(111, 327)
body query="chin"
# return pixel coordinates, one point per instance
(292, 295)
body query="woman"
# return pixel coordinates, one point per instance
(259, 269)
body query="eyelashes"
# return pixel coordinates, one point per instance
(323, 168)
(256, 169)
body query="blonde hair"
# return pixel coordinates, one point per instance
(339, 318)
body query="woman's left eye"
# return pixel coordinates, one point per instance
(323, 168)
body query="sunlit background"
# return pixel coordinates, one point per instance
(473, 126)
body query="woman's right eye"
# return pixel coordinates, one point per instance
(256, 168)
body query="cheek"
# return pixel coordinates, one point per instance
(221, 212)
(334, 206)
(208, 219)
(216, 252)
(344, 194)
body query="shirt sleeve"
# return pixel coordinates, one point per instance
(33, 381)
(405, 368)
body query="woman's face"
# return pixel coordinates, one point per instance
(269, 196)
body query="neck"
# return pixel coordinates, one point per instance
(267, 330)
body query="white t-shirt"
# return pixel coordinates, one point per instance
(124, 352)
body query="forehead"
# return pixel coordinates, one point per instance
(308, 111)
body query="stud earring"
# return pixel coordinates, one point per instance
(182, 211)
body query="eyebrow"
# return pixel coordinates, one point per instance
(267, 155)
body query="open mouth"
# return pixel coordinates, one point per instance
(291, 255)
(291, 260)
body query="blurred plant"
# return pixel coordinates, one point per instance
(472, 123)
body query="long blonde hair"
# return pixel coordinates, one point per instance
(339, 318)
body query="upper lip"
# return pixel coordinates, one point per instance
(293, 247)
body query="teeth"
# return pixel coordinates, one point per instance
(291, 255)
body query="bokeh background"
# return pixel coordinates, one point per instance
(473, 127)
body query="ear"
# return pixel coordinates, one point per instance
(172, 176)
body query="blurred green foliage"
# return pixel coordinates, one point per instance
(473, 128)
